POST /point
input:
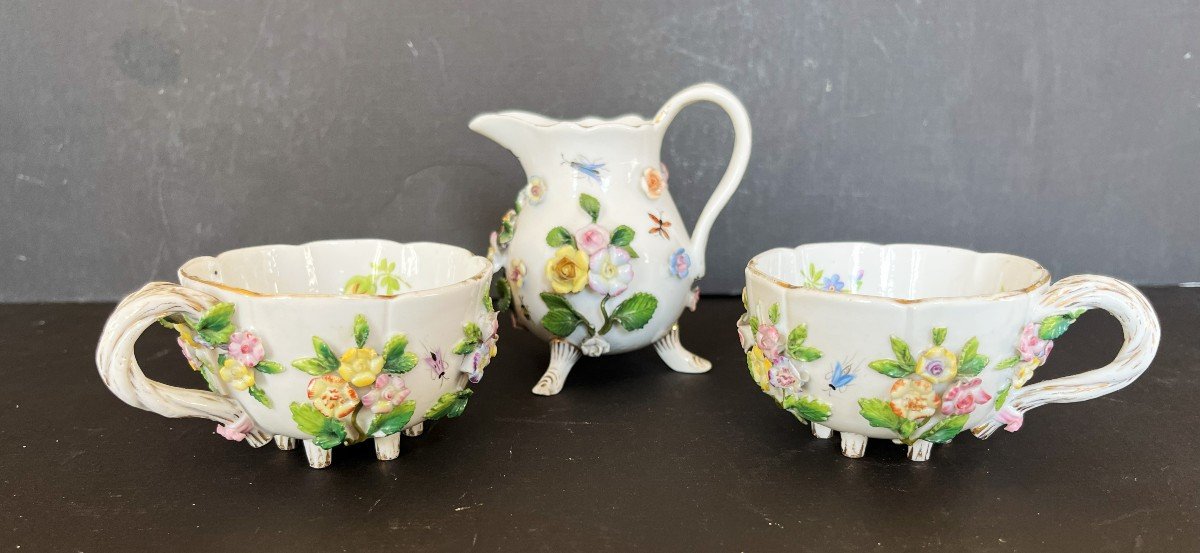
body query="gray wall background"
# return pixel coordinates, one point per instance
(137, 134)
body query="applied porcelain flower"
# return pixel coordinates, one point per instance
(360, 366)
(567, 271)
(239, 376)
(680, 263)
(332, 396)
(483, 354)
(508, 225)
(759, 366)
(610, 271)
(1011, 418)
(386, 393)
(745, 335)
(653, 183)
(592, 238)
(1033, 347)
(784, 375)
(237, 430)
(535, 191)
(594, 346)
(769, 341)
(937, 364)
(246, 348)
(962, 398)
(516, 273)
(193, 362)
(913, 399)
(1024, 372)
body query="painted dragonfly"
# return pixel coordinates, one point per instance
(589, 169)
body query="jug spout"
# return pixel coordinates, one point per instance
(512, 129)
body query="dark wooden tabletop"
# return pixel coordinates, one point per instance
(629, 456)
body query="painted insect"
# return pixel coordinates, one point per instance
(841, 376)
(588, 168)
(660, 226)
(437, 363)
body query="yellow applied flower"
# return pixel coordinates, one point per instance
(360, 366)
(759, 367)
(1024, 373)
(567, 270)
(239, 376)
(937, 364)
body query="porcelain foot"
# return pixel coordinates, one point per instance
(678, 358)
(563, 356)
(318, 457)
(285, 443)
(257, 440)
(854, 446)
(821, 431)
(387, 447)
(415, 430)
(919, 451)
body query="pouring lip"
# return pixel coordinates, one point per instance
(627, 121)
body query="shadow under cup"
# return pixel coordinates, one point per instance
(916, 343)
(349, 338)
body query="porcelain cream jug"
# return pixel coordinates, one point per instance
(596, 258)
(331, 342)
(915, 343)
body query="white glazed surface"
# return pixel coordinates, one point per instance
(907, 291)
(286, 295)
(628, 146)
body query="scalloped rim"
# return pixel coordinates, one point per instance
(481, 274)
(1042, 280)
(627, 121)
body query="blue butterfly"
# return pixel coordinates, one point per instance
(841, 376)
(589, 169)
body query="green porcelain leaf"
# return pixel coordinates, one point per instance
(808, 408)
(393, 421)
(622, 236)
(395, 359)
(879, 414)
(773, 313)
(268, 367)
(945, 429)
(804, 353)
(450, 404)
(591, 205)
(1007, 363)
(907, 427)
(902, 353)
(636, 311)
(325, 431)
(258, 394)
(1002, 396)
(795, 340)
(939, 335)
(559, 236)
(313, 366)
(361, 330)
(472, 332)
(890, 367)
(561, 322)
(555, 301)
(325, 354)
(973, 365)
(1055, 325)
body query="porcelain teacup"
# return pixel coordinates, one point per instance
(916, 343)
(329, 342)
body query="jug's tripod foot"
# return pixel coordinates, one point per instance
(563, 356)
(678, 358)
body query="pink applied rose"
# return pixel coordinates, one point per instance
(964, 396)
(246, 348)
(237, 430)
(1033, 346)
(592, 238)
(1011, 418)
(769, 341)
(386, 394)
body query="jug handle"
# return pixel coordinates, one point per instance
(737, 161)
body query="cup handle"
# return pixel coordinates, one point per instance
(1138, 323)
(120, 371)
(737, 161)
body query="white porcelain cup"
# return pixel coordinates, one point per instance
(330, 342)
(916, 343)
